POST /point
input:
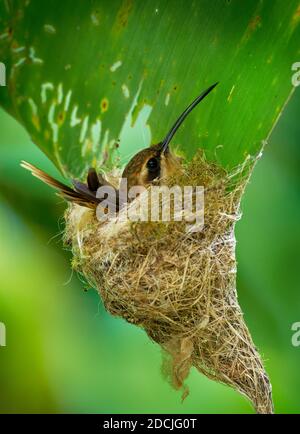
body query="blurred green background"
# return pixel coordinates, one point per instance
(64, 353)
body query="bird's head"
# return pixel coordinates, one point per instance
(156, 163)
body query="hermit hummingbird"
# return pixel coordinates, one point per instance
(151, 165)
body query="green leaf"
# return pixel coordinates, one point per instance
(82, 75)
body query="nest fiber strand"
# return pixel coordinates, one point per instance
(179, 286)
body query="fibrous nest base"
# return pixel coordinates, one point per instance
(179, 286)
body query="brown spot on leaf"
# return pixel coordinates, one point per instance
(104, 105)
(123, 16)
(295, 18)
(254, 23)
(61, 118)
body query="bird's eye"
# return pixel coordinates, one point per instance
(152, 164)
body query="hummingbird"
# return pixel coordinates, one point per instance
(151, 165)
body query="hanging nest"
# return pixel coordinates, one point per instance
(179, 286)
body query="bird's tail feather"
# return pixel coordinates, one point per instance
(80, 194)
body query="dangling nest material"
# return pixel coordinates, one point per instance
(180, 287)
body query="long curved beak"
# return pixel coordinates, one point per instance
(169, 136)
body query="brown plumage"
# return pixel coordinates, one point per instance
(151, 165)
(80, 194)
